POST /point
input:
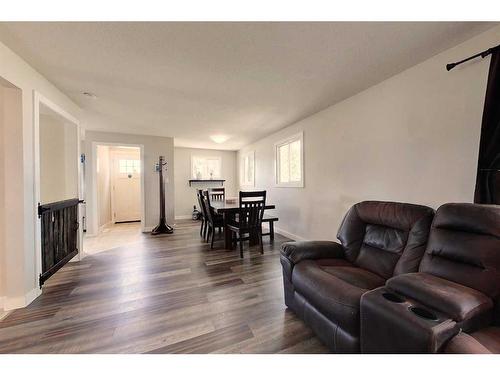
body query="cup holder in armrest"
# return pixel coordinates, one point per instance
(393, 297)
(423, 313)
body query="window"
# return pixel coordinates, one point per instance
(129, 166)
(247, 169)
(289, 160)
(204, 168)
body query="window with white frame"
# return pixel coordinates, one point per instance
(289, 160)
(247, 169)
(205, 168)
(129, 166)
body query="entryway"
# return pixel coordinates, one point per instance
(125, 184)
(119, 190)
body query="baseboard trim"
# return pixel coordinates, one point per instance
(12, 303)
(183, 217)
(32, 295)
(288, 234)
(3, 313)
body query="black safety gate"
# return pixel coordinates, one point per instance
(59, 221)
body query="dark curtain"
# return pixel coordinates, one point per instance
(488, 173)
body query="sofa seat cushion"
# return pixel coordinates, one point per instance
(355, 276)
(457, 301)
(489, 337)
(484, 341)
(335, 289)
(465, 344)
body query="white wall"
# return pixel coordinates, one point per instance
(2, 203)
(71, 160)
(19, 197)
(13, 208)
(185, 195)
(58, 162)
(103, 185)
(153, 148)
(412, 138)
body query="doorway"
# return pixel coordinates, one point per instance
(118, 183)
(125, 184)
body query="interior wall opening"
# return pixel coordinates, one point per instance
(57, 179)
(119, 192)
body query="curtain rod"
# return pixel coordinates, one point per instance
(483, 54)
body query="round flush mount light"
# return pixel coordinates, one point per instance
(219, 138)
(89, 94)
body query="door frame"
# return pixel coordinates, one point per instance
(38, 100)
(113, 176)
(95, 205)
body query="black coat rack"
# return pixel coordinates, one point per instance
(162, 227)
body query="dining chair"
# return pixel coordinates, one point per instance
(204, 225)
(217, 194)
(213, 220)
(249, 219)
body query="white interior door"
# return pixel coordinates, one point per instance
(126, 186)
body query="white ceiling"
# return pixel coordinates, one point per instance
(242, 80)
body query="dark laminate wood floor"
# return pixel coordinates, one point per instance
(163, 295)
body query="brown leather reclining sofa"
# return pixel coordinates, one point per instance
(396, 284)
(324, 280)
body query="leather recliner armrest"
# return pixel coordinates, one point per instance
(391, 323)
(457, 301)
(300, 250)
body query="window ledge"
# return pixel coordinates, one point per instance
(202, 181)
(290, 185)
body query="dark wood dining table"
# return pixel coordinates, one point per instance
(228, 211)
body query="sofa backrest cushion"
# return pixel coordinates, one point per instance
(464, 246)
(387, 238)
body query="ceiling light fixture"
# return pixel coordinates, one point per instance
(89, 94)
(219, 138)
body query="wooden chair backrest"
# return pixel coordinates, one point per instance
(217, 194)
(208, 209)
(199, 196)
(252, 205)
